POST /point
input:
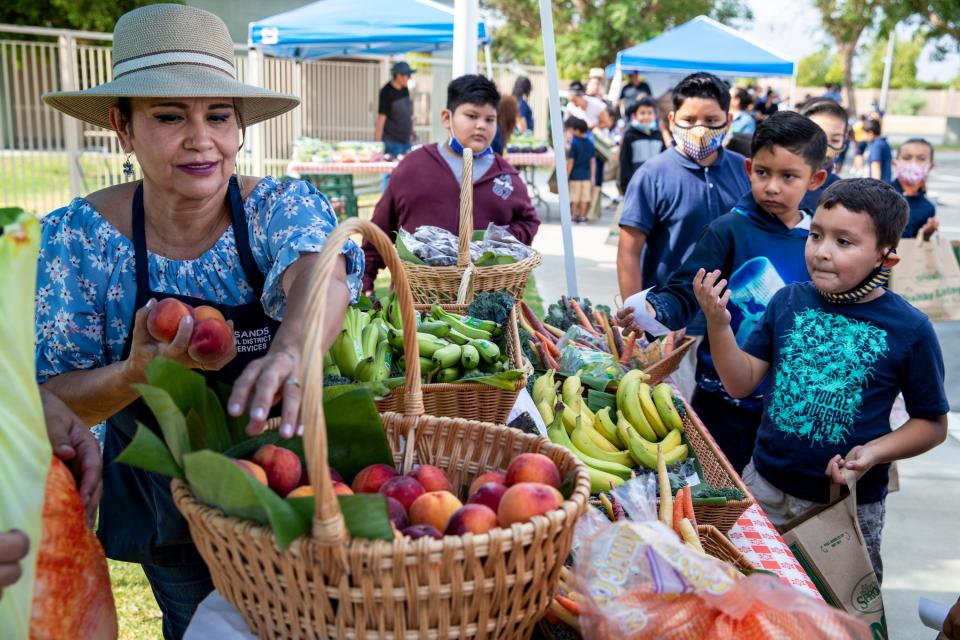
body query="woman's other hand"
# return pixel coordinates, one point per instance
(14, 546)
(265, 381)
(144, 348)
(76, 445)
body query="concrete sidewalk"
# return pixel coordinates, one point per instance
(921, 556)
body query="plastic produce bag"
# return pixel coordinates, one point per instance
(640, 582)
(438, 247)
(588, 362)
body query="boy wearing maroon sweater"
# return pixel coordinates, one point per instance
(424, 189)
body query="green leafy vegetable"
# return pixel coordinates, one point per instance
(168, 416)
(147, 451)
(365, 515)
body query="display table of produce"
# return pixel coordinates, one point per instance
(296, 169)
(527, 159)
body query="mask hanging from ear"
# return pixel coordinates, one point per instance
(874, 280)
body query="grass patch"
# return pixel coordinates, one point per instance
(138, 616)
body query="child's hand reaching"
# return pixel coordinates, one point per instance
(860, 459)
(712, 297)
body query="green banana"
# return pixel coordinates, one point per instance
(546, 412)
(558, 435)
(457, 337)
(365, 370)
(434, 327)
(628, 400)
(489, 326)
(545, 389)
(331, 370)
(601, 480)
(489, 352)
(448, 374)
(581, 440)
(429, 344)
(650, 411)
(395, 338)
(469, 356)
(369, 339)
(570, 418)
(458, 325)
(426, 364)
(571, 390)
(605, 427)
(447, 356)
(663, 400)
(346, 354)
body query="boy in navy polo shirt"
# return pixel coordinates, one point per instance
(914, 162)
(580, 168)
(840, 349)
(673, 197)
(879, 155)
(761, 242)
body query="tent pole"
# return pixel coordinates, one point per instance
(486, 57)
(465, 38)
(556, 130)
(616, 83)
(793, 87)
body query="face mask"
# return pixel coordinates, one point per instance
(458, 148)
(912, 173)
(699, 141)
(652, 126)
(874, 280)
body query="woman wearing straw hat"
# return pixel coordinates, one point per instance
(190, 230)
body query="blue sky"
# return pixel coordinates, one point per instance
(792, 27)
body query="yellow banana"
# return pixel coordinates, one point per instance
(629, 380)
(546, 412)
(635, 446)
(582, 441)
(585, 413)
(545, 389)
(638, 421)
(570, 418)
(596, 436)
(671, 442)
(663, 400)
(571, 390)
(604, 425)
(650, 411)
(558, 435)
(601, 480)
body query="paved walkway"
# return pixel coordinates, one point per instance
(921, 555)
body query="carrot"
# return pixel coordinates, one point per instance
(557, 333)
(628, 348)
(551, 347)
(597, 320)
(690, 535)
(548, 360)
(668, 343)
(569, 604)
(565, 616)
(532, 317)
(617, 336)
(582, 317)
(678, 512)
(666, 499)
(608, 334)
(533, 347)
(551, 617)
(688, 506)
(522, 320)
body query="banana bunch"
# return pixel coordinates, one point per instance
(605, 474)
(647, 418)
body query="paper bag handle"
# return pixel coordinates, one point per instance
(850, 477)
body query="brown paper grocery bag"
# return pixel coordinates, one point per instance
(829, 545)
(928, 277)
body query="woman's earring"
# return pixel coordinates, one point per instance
(128, 167)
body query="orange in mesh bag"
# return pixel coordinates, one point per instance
(641, 582)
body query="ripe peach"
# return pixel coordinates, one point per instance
(488, 494)
(164, 318)
(282, 466)
(420, 530)
(404, 489)
(397, 514)
(431, 478)
(253, 469)
(342, 489)
(471, 518)
(524, 500)
(490, 476)
(204, 311)
(533, 467)
(212, 339)
(371, 478)
(434, 508)
(303, 491)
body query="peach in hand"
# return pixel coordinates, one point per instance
(403, 489)
(533, 467)
(431, 478)
(205, 311)
(488, 494)
(434, 508)
(253, 469)
(164, 318)
(524, 500)
(371, 478)
(211, 340)
(282, 466)
(490, 476)
(471, 518)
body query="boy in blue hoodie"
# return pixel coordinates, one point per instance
(760, 242)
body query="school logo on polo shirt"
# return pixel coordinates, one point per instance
(503, 186)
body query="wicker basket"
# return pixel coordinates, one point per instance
(473, 401)
(326, 585)
(716, 471)
(457, 284)
(719, 546)
(669, 363)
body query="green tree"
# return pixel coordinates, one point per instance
(819, 69)
(939, 17)
(903, 74)
(87, 15)
(845, 21)
(589, 33)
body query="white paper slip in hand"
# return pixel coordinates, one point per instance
(638, 302)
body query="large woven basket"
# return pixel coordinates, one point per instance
(457, 284)
(719, 546)
(327, 585)
(470, 400)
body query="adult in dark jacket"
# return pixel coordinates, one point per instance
(424, 189)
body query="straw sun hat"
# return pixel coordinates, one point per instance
(171, 51)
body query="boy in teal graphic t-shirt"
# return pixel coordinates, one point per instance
(840, 349)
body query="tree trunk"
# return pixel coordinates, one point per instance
(846, 52)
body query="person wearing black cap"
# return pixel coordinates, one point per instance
(395, 113)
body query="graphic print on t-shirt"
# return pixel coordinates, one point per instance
(825, 364)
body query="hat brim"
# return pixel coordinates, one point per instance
(255, 104)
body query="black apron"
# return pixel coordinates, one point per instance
(138, 519)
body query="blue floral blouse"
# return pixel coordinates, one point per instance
(86, 271)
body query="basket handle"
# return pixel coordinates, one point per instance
(466, 209)
(328, 524)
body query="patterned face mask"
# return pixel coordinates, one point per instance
(912, 173)
(699, 141)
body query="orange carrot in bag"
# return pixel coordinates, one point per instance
(582, 317)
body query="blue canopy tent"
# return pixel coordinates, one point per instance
(702, 44)
(357, 27)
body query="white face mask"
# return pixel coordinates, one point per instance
(411, 84)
